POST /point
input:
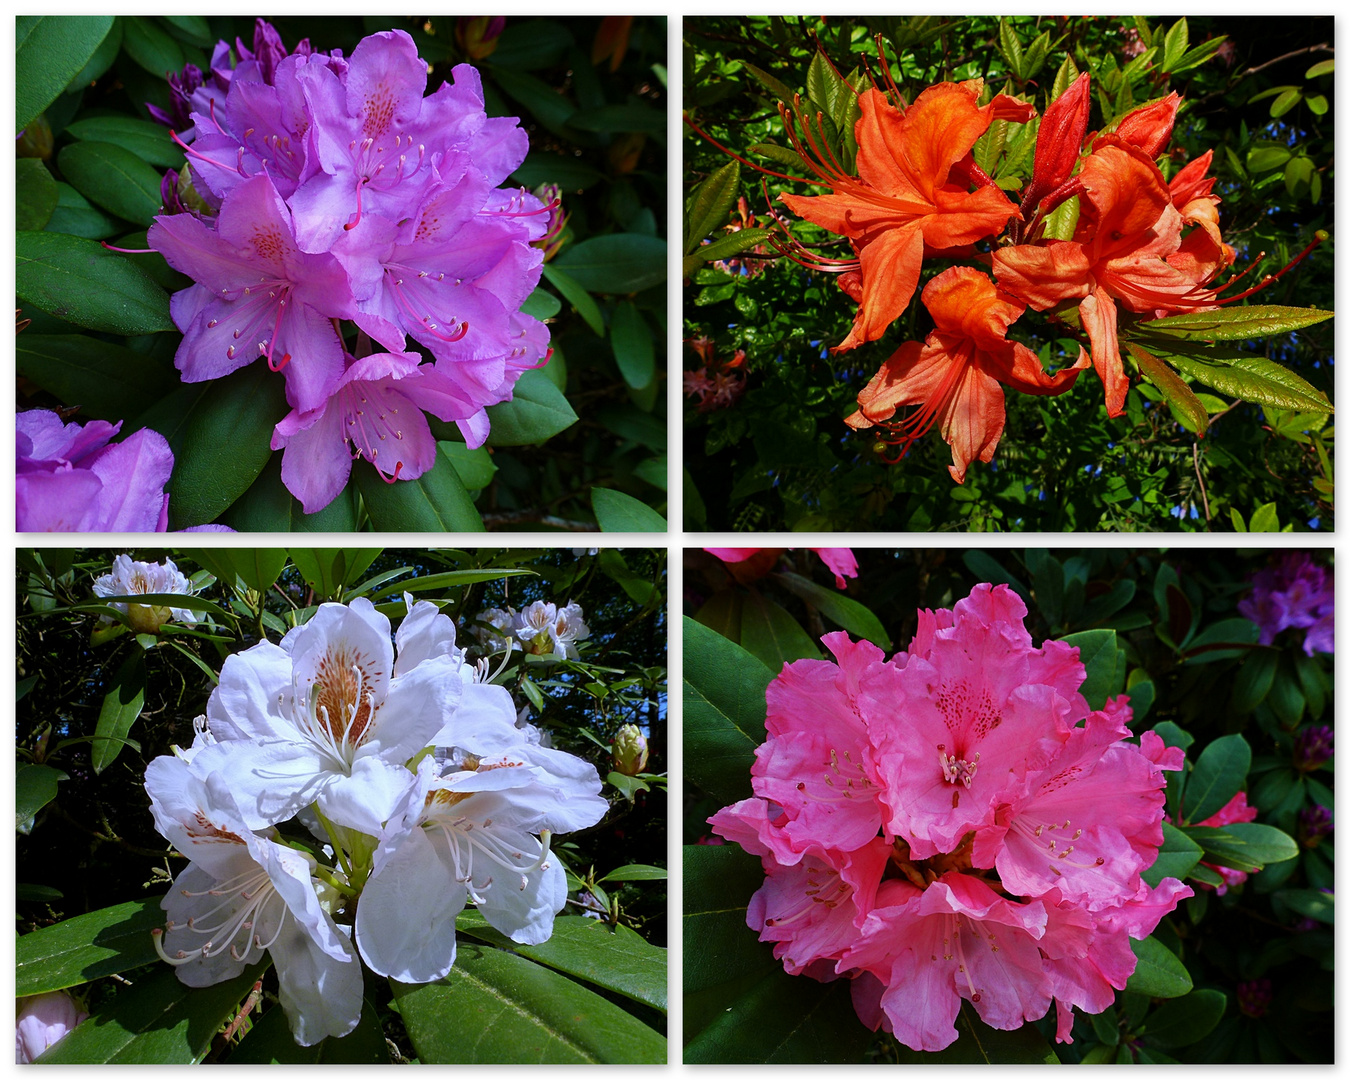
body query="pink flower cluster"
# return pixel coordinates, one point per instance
(335, 190)
(1294, 591)
(955, 823)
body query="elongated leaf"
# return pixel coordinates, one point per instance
(732, 244)
(179, 600)
(718, 945)
(108, 382)
(769, 632)
(36, 194)
(435, 502)
(577, 296)
(1185, 406)
(724, 711)
(537, 411)
(449, 579)
(1237, 323)
(1185, 1020)
(221, 434)
(1158, 972)
(496, 1007)
(77, 216)
(637, 872)
(1175, 44)
(615, 958)
(76, 280)
(34, 787)
(633, 349)
(1245, 845)
(159, 1021)
(87, 947)
(1097, 651)
(267, 506)
(122, 706)
(541, 304)
(710, 204)
(150, 142)
(1254, 378)
(113, 178)
(1176, 858)
(50, 50)
(259, 567)
(619, 263)
(1225, 639)
(838, 608)
(617, 512)
(775, 86)
(1219, 773)
(146, 42)
(619, 118)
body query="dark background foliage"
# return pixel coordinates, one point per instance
(1191, 660)
(781, 459)
(597, 129)
(95, 844)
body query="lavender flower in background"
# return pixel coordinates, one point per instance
(1294, 592)
(1313, 748)
(43, 1020)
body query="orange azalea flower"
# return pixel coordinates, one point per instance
(912, 191)
(955, 374)
(1203, 254)
(1127, 230)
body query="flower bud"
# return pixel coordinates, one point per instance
(36, 139)
(630, 750)
(1060, 139)
(477, 35)
(625, 151)
(552, 240)
(1150, 126)
(1313, 748)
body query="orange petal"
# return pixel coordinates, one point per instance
(963, 301)
(1098, 314)
(1125, 196)
(973, 421)
(1043, 276)
(890, 274)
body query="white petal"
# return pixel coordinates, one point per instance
(320, 995)
(346, 650)
(204, 825)
(423, 634)
(369, 797)
(419, 704)
(525, 914)
(484, 723)
(205, 971)
(290, 872)
(253, 698)
(271, 781)
(405, 921)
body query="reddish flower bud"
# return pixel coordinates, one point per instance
(1060, 139)
(477, 35)
(1150, 126)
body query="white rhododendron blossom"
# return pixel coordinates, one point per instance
(411, 772)
(131, 578)
(541, 629)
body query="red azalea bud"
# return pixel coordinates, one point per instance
(1150, 126)
(1060, 138)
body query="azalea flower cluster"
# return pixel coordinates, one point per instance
(542, 629)
(1140, 243)
(330, 189)
(955, 823)
(417, 794)
(131, 578)
(1293, 591)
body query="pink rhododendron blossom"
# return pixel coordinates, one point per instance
(43, 1020)
(955, 823)
(841, 561)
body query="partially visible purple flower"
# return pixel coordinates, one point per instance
(1314, 825)
(1313, 748)
(73, 479)
(43, 1020)
(1254, 997)
(1294, 591)
(182, 85)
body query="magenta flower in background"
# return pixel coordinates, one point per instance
(955, 823)
(1294, 591)
(73, 479)
(840, 560)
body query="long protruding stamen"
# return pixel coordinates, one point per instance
(1318, 237)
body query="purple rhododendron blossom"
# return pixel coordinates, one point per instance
(43, 1020)
(73, 479)
(955, 823)
(344, 191)
(1294, 591)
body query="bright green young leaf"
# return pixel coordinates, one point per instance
(87, 947)
(536, 412)
(842, 610)
(1237, 323)
(1175, 44)
(36, 195)
(1097, 652)
(617, 512)
(1189, 412)
(159, 1021)
(499, 1008)
(577, 296)
(34, 788)
(619, 263)
(1158, 973)
(1185, 1020)
(76, 280)
(631, 340)
(1265, 518)
(108, 382)
(615, 958)
(435, 502)
(113, 178)
(1219, 774)
(724, 711)
(220, 433)
(148, 141)
(49, 51)
(122, 706)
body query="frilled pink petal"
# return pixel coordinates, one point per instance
(841, 562)
(828, 799)
(46, 443)
(133, 474)
(1171, 758)
(1140, 915)
(316, 464)
(63, 501)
